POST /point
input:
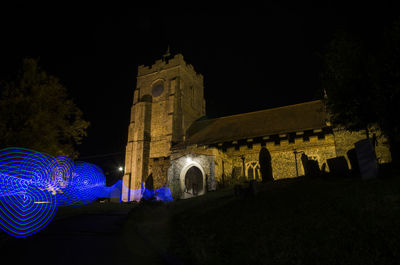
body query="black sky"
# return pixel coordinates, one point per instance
(251, 58)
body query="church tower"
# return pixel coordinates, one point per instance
(168, 98)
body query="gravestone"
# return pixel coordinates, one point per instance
(304, 160)
(264, 159)
(310, 166)
(338, 166)
(313, 168)
(248, 191)
(352, 156)
(366, 159)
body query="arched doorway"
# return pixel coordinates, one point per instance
(193, 181)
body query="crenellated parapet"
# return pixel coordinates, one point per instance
(280, 142)
(163, 64)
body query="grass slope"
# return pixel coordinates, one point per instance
(297, 221)
(302, 221)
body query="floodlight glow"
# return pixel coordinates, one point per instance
(189, 160)
(120, 168)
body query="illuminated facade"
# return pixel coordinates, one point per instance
(169, 144)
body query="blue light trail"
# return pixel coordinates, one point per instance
(33, 185)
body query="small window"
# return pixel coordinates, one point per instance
(253, 170)
(158, 88)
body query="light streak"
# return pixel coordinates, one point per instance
(33, 185)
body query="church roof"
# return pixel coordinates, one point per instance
(292, 118)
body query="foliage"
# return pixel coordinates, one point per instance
(362, 82)
(346, 82)
(388, 84)
(36, 113)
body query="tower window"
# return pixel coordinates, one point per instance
(157, 89)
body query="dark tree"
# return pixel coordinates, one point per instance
(346, 80)
(387, 80)
(36, 113)
(361, 78)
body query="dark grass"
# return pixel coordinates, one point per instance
(297, 221)
(65, 212)
(92, 208)
(302, 221)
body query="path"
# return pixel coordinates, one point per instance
(83, 239)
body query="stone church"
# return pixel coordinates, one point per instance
(171, 144)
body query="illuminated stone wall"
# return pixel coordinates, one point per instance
(186, 158)
(158, 168)
(223, 162)
(224, 165)
(178, 106)
(344, 141)
(160, 118)
(159, 122)
(282, 156)
(319, 146)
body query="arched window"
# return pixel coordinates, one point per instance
(253, 170)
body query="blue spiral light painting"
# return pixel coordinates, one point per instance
(27, 203)
(87, 183)
(32, 185)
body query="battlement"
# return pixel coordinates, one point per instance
(278, 142)
(176, 61)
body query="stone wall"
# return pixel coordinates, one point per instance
(159, 119)
(183, 160)
(192, 98)
(344, 141)
(158, 168)
(160, 65)
(225, 164)
(178, 106)
(282, 156)
(162, 109)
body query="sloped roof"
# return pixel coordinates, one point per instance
(292, 118)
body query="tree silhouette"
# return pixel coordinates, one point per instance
(346, 81)
(362, 83)
(36, 113)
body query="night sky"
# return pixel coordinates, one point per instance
(251, 58)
